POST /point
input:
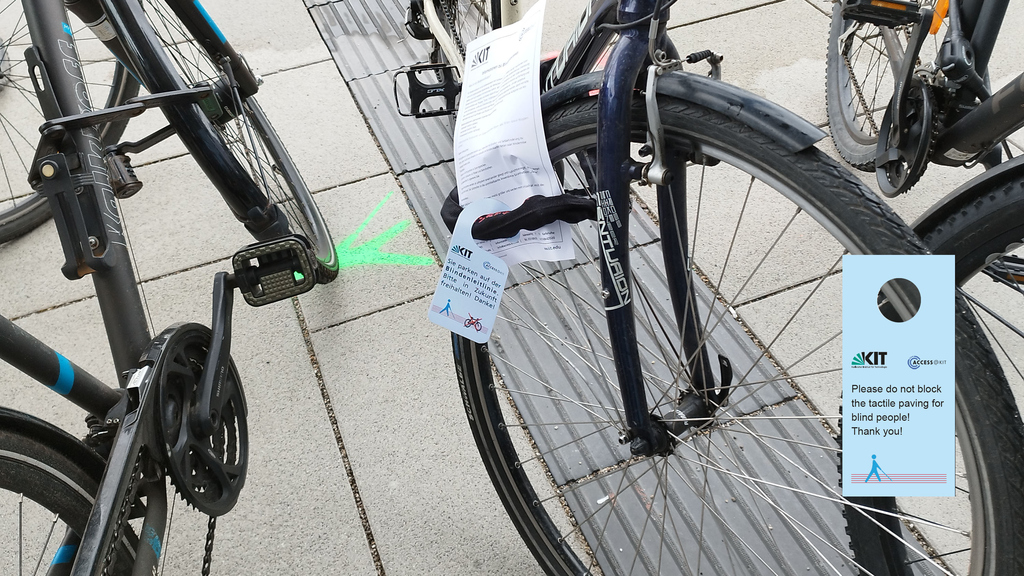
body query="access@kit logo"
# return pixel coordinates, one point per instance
(464, 252)
(916, 362)
(869, 360)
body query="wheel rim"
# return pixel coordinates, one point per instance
(248, 135)
(558, 400)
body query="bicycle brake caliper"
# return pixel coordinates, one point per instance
(656, 172)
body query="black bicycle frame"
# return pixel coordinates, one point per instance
(624, 53)
(984, 127)
(110, 265)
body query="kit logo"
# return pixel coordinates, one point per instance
(464, 252)
(481, 56)
(869, 360)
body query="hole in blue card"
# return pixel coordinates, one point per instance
(898, 376)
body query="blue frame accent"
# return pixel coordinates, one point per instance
(66, 376)
(216, 30)
(65, 554)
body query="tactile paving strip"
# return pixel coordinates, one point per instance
(368, 36)
(368, 41)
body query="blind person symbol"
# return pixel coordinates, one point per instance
(898, 390)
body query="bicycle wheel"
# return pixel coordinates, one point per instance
(862, 62)
(240, 149)
(47, 483)
(985, 230)
(756, 490)
(21, 208)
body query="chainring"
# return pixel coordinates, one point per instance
(899, 168)
(208, 472)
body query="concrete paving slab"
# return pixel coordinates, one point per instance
(304, 521)
(427, 496)
(696, 12)
(74, 331)
(329, 142)
(793, 76)
(179, 219)
(428, 501)
(31, 279)
(746, 238)
(385, 260)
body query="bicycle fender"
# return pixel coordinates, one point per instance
(784, 127)
(1001, 174)
(53, 437)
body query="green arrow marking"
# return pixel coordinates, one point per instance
(370, 252)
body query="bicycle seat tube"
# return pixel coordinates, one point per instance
(116, 293)
(614, 169)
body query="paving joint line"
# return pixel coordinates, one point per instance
(785, 289)
(726, 14)
(350, 182)
(329, 406)
(298, 66)
(374, 312)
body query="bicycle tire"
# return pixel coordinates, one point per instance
(561, 477)
(21, 208)
(237, 152)
(859, 83)
(54, 473)
(984, 229)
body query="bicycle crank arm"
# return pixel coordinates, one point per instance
(903, 84)
(110, 510)
(265, 272)
(215, 368)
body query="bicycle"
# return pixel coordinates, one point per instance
(233, 142)
(179, 410)
(615, 438)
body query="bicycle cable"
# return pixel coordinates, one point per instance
(657, 9)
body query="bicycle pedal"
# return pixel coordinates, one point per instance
(890, 13)
(433, 90)
(274, 270)
(122, 176)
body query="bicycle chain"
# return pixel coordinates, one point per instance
(860, 95)
(208, 556)
(453, 26)
(121, 514)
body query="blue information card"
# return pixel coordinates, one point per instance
(898, 376)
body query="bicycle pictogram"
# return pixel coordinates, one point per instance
(474, 322)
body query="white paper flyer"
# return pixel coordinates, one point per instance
(500, 150)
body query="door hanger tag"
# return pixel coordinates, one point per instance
(898, 376)
(472, 281)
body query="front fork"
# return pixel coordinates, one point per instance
(646, 435)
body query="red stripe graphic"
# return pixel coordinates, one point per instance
(901, 479)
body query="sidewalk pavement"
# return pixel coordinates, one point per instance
(360, 459)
